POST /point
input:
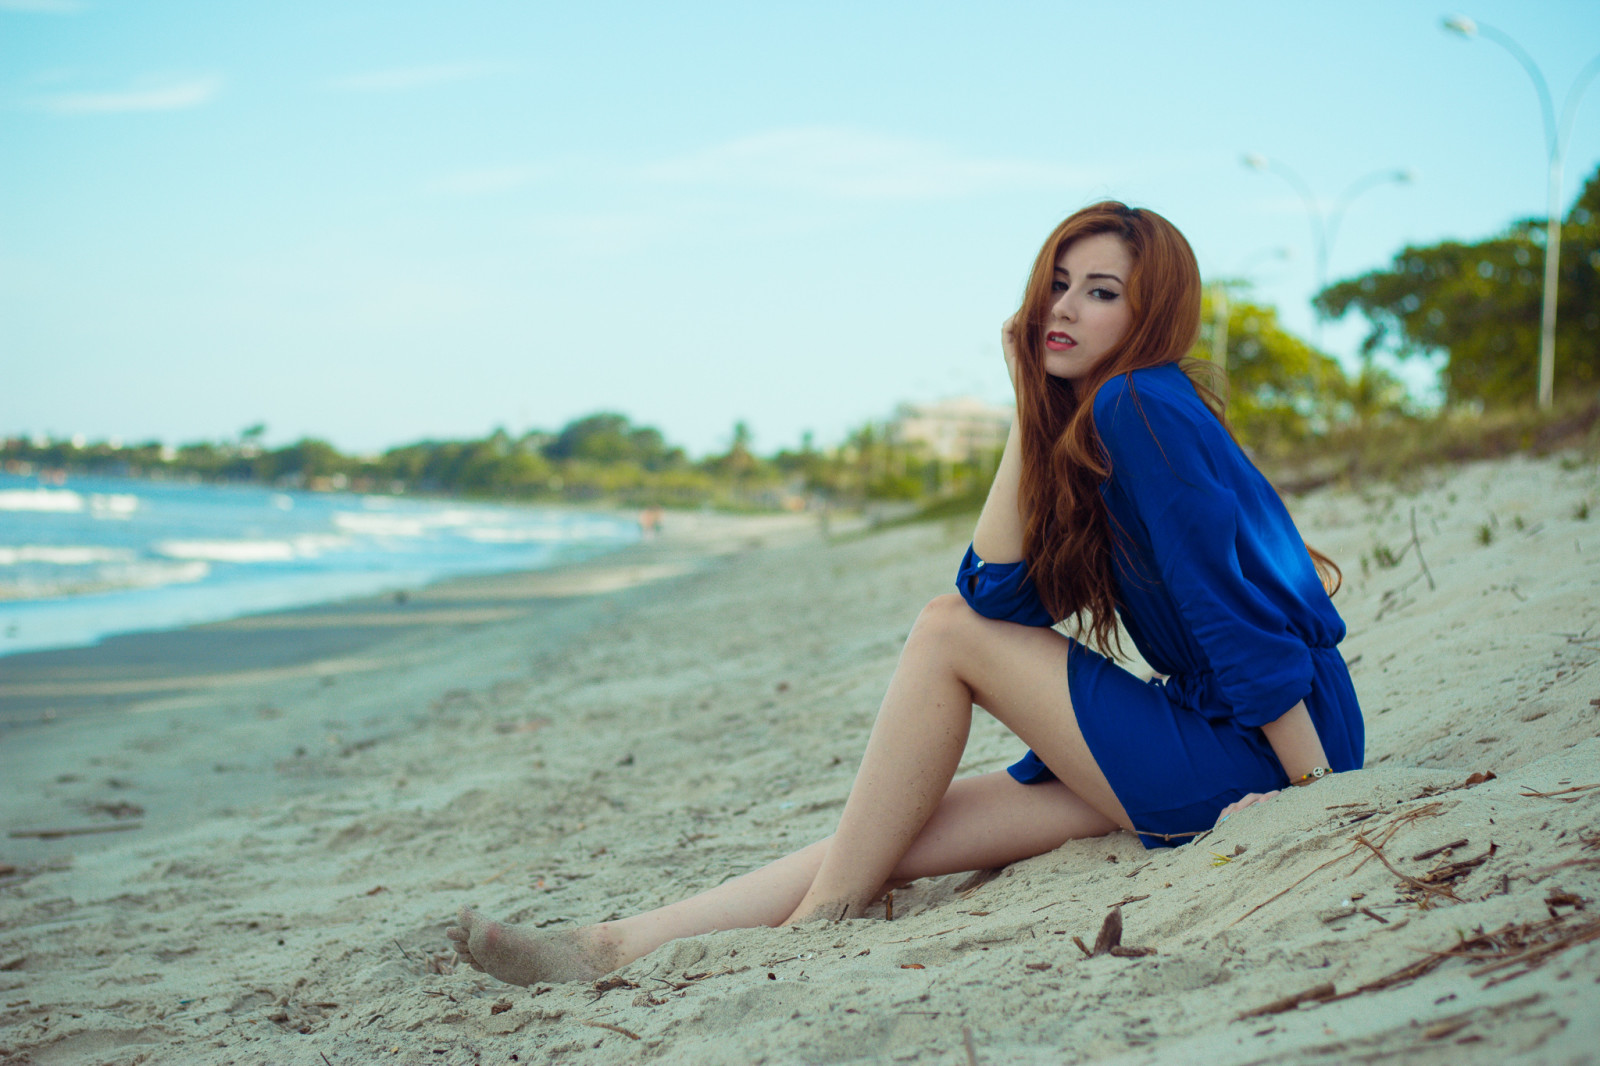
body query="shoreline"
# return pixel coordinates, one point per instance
(126, 667)
(303, 844)
(166, 577)
(244, 683)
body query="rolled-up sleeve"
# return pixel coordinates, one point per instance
(1002, 591)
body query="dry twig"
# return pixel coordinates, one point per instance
(613, 1028)
(1455, 871)
(1422, 856)
(1384, 837)
(1514, 943)
(77, 831)
(1418, 544)
(1530, 793)
(1416, 883)
(1320, 994)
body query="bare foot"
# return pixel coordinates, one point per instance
(521, 956)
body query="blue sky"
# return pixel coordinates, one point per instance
(376, 222)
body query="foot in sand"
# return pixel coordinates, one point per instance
(521, 956)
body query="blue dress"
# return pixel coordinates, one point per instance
(1216, 589)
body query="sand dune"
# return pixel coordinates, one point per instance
(304, 841)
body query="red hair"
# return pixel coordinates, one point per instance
(1066, 531)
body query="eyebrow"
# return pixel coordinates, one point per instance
(1089, 277)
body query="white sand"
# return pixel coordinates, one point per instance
(289, 907)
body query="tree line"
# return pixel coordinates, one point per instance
(602, 457)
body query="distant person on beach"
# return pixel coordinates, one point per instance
(1121, 492)
(650, 522)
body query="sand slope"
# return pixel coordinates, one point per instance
(699, 724)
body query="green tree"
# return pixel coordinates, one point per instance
(1479, 303)
(305, 459)
(599, 437)
(738, 461)
(201, 457)
(1280, 389)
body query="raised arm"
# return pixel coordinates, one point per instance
(992, 578)
(998, 537)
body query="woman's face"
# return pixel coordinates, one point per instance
(1088, 311)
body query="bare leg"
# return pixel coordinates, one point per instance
(983, 821)
(952, 659)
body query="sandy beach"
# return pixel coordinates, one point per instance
(288, 810)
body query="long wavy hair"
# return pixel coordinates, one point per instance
(1067, 531)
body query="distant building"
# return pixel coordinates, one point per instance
(952, 429)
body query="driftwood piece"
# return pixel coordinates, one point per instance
(1530, 793)
(76, 831)
(1422, 856)
(1525, 945)
(1384, 835)
(1109, 942)
(1416, 883)
(1317, 994)
(1110, 933)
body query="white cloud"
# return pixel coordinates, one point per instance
(172, 96)
(380, 81)
(44, 7)
(852, 164)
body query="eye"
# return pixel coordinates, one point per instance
(1104, 294)
(1058, 286)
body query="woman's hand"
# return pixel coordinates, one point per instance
(1245, 801)
(1008, 344)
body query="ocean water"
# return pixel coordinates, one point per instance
(93, 557)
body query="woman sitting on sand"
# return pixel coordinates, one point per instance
(1120, 492)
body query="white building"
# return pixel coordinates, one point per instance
(954, 429)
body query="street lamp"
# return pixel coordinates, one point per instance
(1555, 138)
(1325, 225)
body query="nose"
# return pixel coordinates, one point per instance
(1065, 306)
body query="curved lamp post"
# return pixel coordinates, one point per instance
(1555, 138)
(1325, 225)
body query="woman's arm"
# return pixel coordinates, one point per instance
(1294, 740)
(998, 538)
(992, 578)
